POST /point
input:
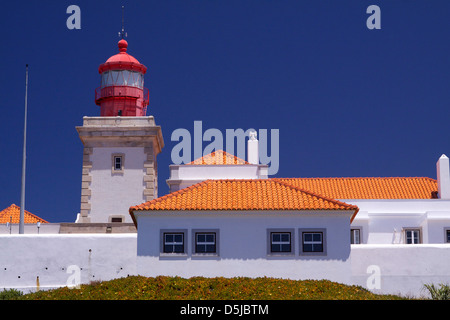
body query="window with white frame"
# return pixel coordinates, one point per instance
(355, 236)
(173, 241)
(205, 241)
(313, 241)
(412, 236)
(280, 241)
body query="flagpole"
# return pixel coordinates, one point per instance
(22, 195)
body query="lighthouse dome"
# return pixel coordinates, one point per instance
(122, 61)
(122, 91)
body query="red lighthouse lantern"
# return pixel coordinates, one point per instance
(122, 91)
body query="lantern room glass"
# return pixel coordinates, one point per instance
(122, 78)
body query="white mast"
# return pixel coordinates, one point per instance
(22, 195)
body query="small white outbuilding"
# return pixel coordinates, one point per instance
(244, 227)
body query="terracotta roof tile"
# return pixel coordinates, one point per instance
(12, 214)
(246, 194)
(218, 157)
(368, 187)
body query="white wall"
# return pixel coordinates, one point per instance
(204, 172)
(30, 228)
(114, 194)
(383, 221)
(243, 245)
(403, 269)
(400, 269)
(182, 176)
(25, 257)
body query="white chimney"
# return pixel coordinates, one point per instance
(253, 148)
(443, 177)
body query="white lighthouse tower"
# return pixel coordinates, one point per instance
(120, 146)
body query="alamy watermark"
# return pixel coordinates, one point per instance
(234, 142)
(74, 280)
(374, 20)
(374, 280)
(74, 20)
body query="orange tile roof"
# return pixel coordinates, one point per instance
(218, 157)
(12, 214)
(245, 194)
(368, 188)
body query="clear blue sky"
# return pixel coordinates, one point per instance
(348, 101)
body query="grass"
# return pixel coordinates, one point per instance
(199, 288)
(440, 292)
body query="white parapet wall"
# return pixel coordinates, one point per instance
(30, 228)
(45, 261)
(400, 268)
(29, 262)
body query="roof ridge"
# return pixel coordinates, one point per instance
(335, 201)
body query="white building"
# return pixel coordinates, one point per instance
(228, 224)
(246, 227)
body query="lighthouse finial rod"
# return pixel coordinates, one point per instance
(123, 34)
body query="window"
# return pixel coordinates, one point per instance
(122, 78)
(173, 242)
(117, 163)
(412, 236)
(355, 236)
(205, 242)
(280, 241)
(447, 235)
(116, 219)
(118, 160)
(313, 241)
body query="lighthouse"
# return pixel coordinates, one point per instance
(122, 91)
(120, 145)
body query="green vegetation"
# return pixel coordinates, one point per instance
(438, 293)
(198, 288)
(10, 294)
